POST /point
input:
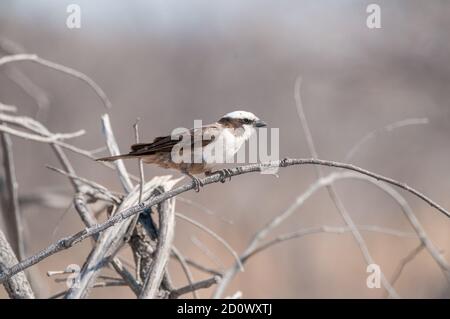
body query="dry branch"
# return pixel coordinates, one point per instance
(61, 68)
(10, 198)
(74, 239)
(16, 286)
(111, 240)
(194, 287)
(332, 192)
(166, 233)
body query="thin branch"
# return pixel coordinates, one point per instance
(37, 138)
(388, 128)
(415, 224)
(406, 260)
(166, 233)
(30, 88)
(204, 209)
(203, 268)
(111, 240)
(114, 283)
(67, 242)
(10, 198)
(101, 191)
(23, 81)
(141, 165)
(7, 108)
(86, 215)
(324, 229)
(141, 182)
(184, 265)
(35, 126)
(114, 150)
(194, 287)
(207, 252)
(332, 192)
(18, 285)
(61, 68)
(214, 235)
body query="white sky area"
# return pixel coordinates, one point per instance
(162, 15)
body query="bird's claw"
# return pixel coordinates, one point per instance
(224, 174)
(197, 183)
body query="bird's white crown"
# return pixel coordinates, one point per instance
(241, 115)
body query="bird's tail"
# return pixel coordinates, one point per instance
(114, 158)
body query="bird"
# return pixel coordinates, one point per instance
(211, 145)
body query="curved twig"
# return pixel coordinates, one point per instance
(61, 68)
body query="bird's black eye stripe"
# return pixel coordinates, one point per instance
(247, 121)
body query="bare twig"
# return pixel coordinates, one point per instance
(111, 240)
(61, 68)
(114, 150)
(101, 192)
(16, 286)
(204, 209)
(415, 224)
(114, 283)
(74, 239)
(166, 233)
(333, 193)
(207, 252)
(141, 166)
(7, 108)
(184, 265)
(387, 128)
(10, 198)
(21, 80)
(195, 286)
(407, 259)
(36, 127)
(30, 88)
(141, 181)
(324, 229)
(215, 236)
(203, 268)
(38, 138)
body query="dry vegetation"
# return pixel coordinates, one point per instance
(141, 217)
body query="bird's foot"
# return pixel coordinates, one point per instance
(224, 174)
(197, 183)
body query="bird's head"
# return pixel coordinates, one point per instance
(241, 119)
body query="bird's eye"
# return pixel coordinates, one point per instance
(246, 121)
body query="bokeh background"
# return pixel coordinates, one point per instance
(169, 62)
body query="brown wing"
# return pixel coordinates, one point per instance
(166, 143)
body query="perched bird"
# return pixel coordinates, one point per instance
(213, 144)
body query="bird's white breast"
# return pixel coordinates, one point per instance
(226, 145)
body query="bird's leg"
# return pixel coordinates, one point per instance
(197, 182)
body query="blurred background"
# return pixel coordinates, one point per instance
(169, 62)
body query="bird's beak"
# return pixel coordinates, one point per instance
(260, 123)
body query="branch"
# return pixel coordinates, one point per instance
(387, 128)
(18, 285)
(111, 240)
(323, 229)
(166, 234)
(114, 150)
(61, 68)
(195, 286)
(332, 192)
(407, 259)
(74, 239)
(184, 265)
(7, 108)
(10, 198)
(214, 235)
